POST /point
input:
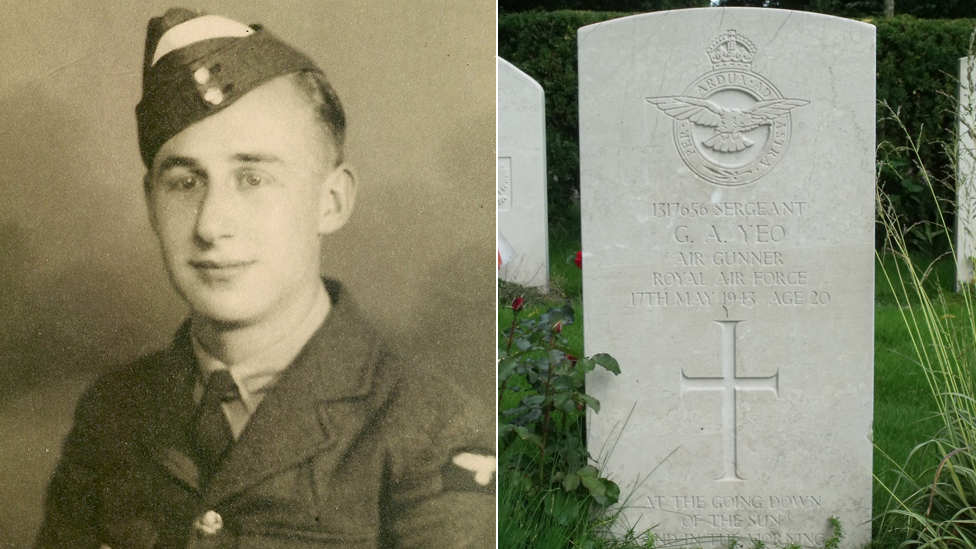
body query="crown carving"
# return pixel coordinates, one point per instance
(731, 51)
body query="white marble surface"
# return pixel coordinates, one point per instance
(966, 175)
(521, 176)
(727, 160)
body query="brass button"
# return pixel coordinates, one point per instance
(208, 523)
(202, 75)
(213, 96)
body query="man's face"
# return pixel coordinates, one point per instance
(238, 201)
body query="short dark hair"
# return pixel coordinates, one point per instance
(328, 109)
(324, 100)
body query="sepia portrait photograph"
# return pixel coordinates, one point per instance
(248, 274)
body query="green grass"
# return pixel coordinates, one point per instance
(904, 415)
(904, 409)
(527, 521)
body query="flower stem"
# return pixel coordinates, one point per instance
(545, 417)
(511, 336)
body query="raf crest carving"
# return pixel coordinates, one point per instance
(732, 125)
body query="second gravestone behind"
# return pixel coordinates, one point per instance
(727, 160)
(521, 176)
(966, 174)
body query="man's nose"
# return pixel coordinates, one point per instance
(217, 214)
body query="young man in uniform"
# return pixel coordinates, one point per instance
(276, 418)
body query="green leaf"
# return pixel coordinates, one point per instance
(523, 344)
(564, 314)
(571, 482)
(528, 323)
(596, 488)
(562, 400)
(585, 365)
(574, 459)
(911, 186)
(613, 492)
(563, 383)
(588, 471)
(528, 436)
(563, 347)
(556, 356)
(560, 369)
(608, 362)
(569, 406)
(533, 400)
(531, 416)
(591, 402)
(506, 368)
(514, 411)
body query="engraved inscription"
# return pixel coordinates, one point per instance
(742, 518)
(731, 126)
(692, 210)
(730, 384)
(741, 264)
(506, 97)
(776, 539)
(503, 183)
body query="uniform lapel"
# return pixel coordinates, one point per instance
(318, 406)
(170, 410)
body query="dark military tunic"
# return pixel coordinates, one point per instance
(348, 449)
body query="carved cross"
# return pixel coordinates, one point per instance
(730, 384)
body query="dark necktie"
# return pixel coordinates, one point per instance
(213, 432)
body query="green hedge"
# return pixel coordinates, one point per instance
(918, 66)
(917, 71)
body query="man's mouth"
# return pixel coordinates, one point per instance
(220, 268)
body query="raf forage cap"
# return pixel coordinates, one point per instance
(196, 65)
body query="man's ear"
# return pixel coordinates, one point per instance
(338, 199)
(147, 190)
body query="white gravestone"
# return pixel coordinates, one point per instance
(966, 175)
(727, 163)
(521, 176)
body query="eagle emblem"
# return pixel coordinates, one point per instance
(731, 125)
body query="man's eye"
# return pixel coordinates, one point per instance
(189, 183)
(251, 179)
(182, 183)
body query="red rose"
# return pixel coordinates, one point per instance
(558, 327)
(579, 259)
(572, 359)
(518, 304)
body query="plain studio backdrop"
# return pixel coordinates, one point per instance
(82, 286)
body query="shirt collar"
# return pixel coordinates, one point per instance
(257, 374)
